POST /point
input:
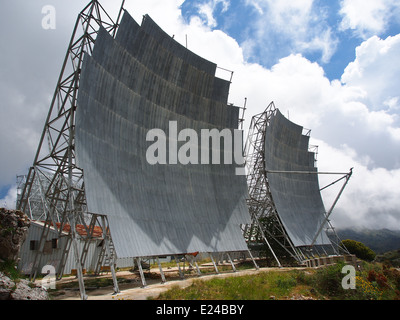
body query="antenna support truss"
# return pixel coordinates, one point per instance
(266, 224)
(54, 167)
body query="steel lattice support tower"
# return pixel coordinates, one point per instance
(266, 226)
(55, 171)
(261, 206)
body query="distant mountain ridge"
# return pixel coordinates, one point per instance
(379, 240)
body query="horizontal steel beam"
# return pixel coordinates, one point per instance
(305, 172)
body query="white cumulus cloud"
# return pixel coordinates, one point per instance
(10, 199)
(355, 121)
(299, 25)
(368, 17)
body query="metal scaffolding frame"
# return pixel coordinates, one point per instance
(261, 206)
(54, 169)
(266, 226)
(53, 191)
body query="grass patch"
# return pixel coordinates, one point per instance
(374, 282)
(8, 267)
(260, 287)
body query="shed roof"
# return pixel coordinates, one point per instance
(80, 228)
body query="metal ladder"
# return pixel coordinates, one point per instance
(107, 254)
(64, 256)
(104, 258)
(88, 239)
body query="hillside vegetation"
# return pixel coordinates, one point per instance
(373, 282)
(380, 241)
(390, 258)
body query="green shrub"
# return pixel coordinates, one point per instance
(328, 280)
(393, 275)
(8, 267)
(359, 249)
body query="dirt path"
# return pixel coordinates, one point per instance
(134, 291)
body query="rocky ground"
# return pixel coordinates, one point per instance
(20, 289)
(14, 227)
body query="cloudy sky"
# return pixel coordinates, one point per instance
(330, 66)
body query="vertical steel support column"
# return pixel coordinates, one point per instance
(163, 280)
(77, 258)
(230, 260)
(110, 257)
(139, 264)
(252, 259)
(195, 263)
(181, 275)
(266, 241)
(213, 262)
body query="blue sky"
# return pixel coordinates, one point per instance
(235, 19)
(334, 66)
